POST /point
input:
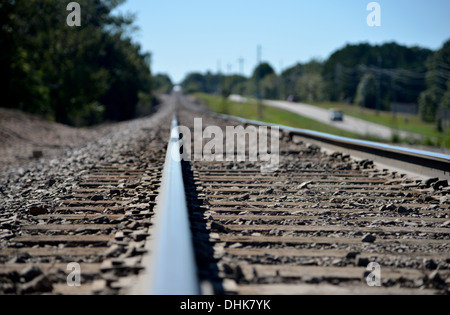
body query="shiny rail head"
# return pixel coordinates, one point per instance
(418, 163)
(174, 131)
(171, 267)
(340, 138)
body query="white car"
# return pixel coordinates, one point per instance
(336, 115)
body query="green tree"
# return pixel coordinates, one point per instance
(263, 70)
(233, 83)
(367, 91)
(290, 79)
(311, 88)
(345, 68)
(75, 75)
(428, 101)
(194, 82)
(310, 84)
(438, 84)
(270, 87)
(162, 83)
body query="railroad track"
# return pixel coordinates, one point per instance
(312, 226)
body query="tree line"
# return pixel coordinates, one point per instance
(370, 76)
(73, 75)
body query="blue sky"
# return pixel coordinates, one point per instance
(199, 35)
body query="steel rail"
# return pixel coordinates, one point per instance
(172, 268)
(419, 162)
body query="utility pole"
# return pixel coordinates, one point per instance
(219, 67)
(394, 96)
(258, 83)
(337, 81)
(259, 54)
(219, 74)
(379, 85)
(446, 125)
(280, 83)
(230, 68)
(241, 65)
(364, 94)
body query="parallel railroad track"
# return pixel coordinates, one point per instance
(314, 225)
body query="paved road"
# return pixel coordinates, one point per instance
(350, 123)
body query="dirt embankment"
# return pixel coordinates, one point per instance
(25, 138)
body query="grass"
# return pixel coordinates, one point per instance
(273, 115)
(408, 123)
(401, 122)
